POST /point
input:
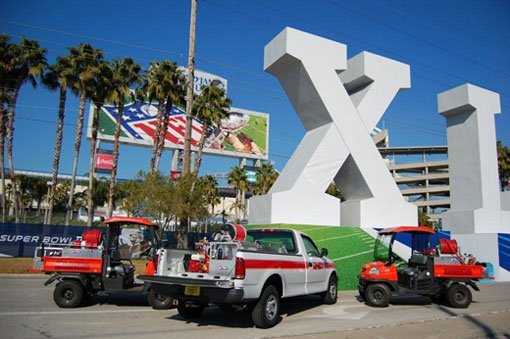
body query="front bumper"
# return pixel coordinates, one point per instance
(211, 291)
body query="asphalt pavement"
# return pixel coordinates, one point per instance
(27, 311)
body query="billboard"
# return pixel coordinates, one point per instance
(202, 78)
(244, 134)
(104, 161)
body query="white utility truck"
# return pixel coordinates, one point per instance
(242, 269)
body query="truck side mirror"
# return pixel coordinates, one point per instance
(324, 252)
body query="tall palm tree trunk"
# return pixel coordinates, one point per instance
(58, 148)
(77, 145)
(2, 161)
(10, 140)
(162, 134)
(113, 180)
(157, 134)
(93, 142)
(201, 143)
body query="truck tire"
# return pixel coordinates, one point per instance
(189, 311)
(68, 294)
(266, 312)
(377, 295)
(329, 297)
(158, 301)
(459, 296)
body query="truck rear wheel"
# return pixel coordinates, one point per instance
(266, 312)
(377, 295)
(329, 297)
(189, 310)
(459, 296)
(158, 301)
(68, 294)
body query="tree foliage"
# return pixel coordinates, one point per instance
(503, 165)
(266, 177)
(157, 196)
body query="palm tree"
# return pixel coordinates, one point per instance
(61, 76)
(126, 73)
(100, 88)
(212, 105)
(210, 189)
(237, 178)
(163, 83)
(85, 60)
(266, 177)
(5, 84)
(28, 63)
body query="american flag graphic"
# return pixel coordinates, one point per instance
(139, 121)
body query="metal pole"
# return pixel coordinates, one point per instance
(189, 94)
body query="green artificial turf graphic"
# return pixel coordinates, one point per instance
(349, 248)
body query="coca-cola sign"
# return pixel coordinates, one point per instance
(104, 162)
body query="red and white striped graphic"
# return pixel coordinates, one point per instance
(175, 131)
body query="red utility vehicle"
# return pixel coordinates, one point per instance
(440, 273)
(100, 262)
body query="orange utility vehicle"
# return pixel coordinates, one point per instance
(100, 262)
(441, 273)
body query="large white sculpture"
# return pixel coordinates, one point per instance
(476, 216)
(337, 145)
(474, 186)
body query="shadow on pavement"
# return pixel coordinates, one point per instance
(212, 315)
(118, 299)
(487, 330)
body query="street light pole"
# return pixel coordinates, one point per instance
(189, 94)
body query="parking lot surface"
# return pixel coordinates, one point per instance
(27, 311)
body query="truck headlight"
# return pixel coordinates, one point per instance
(374, 270)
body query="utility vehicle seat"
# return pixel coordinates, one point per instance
(418, 260)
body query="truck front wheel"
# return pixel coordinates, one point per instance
(329, 297)
(459, 296)
(377, 295)
(68, 293)
(266, 312)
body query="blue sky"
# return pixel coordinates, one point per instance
(446, 44)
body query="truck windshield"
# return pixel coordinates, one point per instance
(382, 247)
(273, 239)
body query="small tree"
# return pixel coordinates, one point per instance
(503, 165)
(266, 177)
(237, 178)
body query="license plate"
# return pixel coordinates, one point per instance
(192, 291)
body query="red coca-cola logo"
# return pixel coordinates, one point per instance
(104, 161)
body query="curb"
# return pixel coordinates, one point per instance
(22, 275)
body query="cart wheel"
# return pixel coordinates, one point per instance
(377, 295)
(459, 296)
(68, 293)
(266, 312)
(158, 301)
(189, 311)
(329, 297)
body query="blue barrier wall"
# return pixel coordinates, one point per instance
(20, 240)
(504, 250)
